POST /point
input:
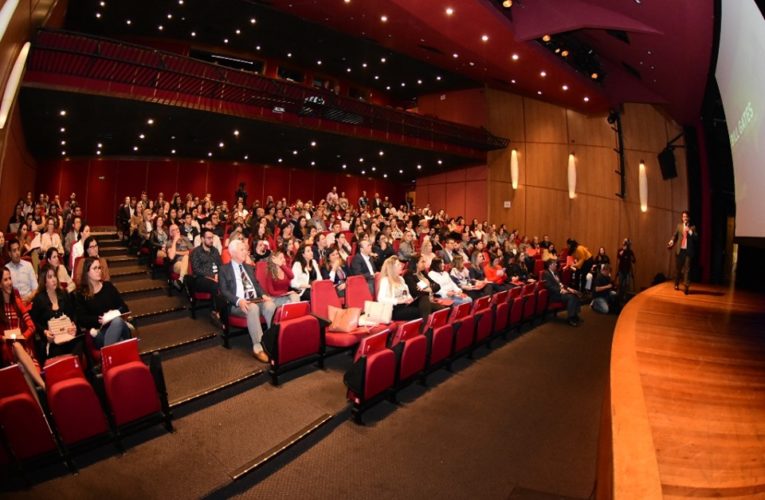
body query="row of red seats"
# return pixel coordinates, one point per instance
(71, 413)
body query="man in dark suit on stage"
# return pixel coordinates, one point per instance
(240, 290)
(685, 242)
(363, 264)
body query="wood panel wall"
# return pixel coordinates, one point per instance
(544, 135)
(102, 183)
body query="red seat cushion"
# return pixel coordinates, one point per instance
(380, 373)
(76, 409)
(298, 338)
(131, 392)
(202, 295)
(30, 435)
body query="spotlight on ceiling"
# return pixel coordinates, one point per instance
(507, 3)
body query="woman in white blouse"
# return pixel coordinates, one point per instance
(305, 271)
(50, 238)
(449, 290)
(77, 249)
(393, 290)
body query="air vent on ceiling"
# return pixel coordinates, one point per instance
(631, 70)
(619, 35)
(430, 49)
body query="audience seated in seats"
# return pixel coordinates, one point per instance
(461, 277)
(406, 247)
(52, 302)
(244, 296)
(22, 273)
(262, 251)
(549, 252)
(448, 289)
(72, 237)
(177, 249)
(278, 277)
(78, 248)
(426, 251)
(334, 269)
(50, 238)
(342, 246)
(516, 269)
(363, 264)
(159, 237)
(382, 249)
(495, 273)
(393, 290)
(53, 259)
(146, 227)
(18, 331)
(206, 263)
(190, 228)
(26, 239)
(305, 271)
(95, 297)
(603, 293)
(91, 250)
(320, 248)
(561, 293)
(421, 287)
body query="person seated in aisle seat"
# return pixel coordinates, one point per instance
(604, 296)
(22, 273)
(91, 250)
(561, 293)
(177, 250)
(463, 279)
(50, 302)
(449, 290)
(145, 227)
(16, 321)
(305, 271)
(393, 290)
(363, 264)
(93, 298)
(495, 273)
(206, 263)
(244, 296)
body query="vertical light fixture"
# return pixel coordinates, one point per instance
(571, 176)
(514, 168)
(643, 184)
(12, 85)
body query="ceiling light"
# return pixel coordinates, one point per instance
(62, 130)
(100, 145)
(313, 144)
(172, 151)
(546, 38)
(419, 82)
(128, 22)
(507, 3)
(564, 53)
(455, 55)
(403, 84)
(98, 153)
(150, 121)
(345, 166)
(401, 171)
(374, 169)
(484, 38)
(594, 76)
(539, 92)
(289, 54)
(377, 77)
(348, 70)
(180, 2)
(440, 162)
(62, 112)
(515, 57)
(438, 78)
(385, 176)
(209, 154)
(387, 87)
(102, 4)
(169, 16)
(63, 153)
(225, 40)
(160, 28)
(361, 160)
(382, 59)
(318, 62)
(565, 87)
(449, 11)
(63, 143)
(193, 33)
(347, 1)
(363, 65)
(543, 74)
(382, 153)
(384, 19)
(236, 133)
(419, 167)
(313, 163)
(586, 99)
(141, 136)
(294, 152)
(257, 47)
(238, 32)
(98, 15)
(252, 20)
(363, 172)
(512, 81)
(135, 148)
(221, 145)
(246, 157)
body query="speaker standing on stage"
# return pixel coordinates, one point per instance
(685, 242)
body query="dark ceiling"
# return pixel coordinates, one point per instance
(641, 48)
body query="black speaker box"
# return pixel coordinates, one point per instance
(667, 164)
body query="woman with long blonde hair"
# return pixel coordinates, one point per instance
(393, 290)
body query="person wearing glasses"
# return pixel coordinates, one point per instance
(91, 250)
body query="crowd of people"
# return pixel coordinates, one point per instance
(425, 258)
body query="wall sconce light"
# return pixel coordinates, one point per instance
(12, 85)
(514, 168)
(643, 184)
(571, 176)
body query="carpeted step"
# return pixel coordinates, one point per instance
(145, 307)
(141, 286)
(129, 272)
(109, 252)
(169, 336)
(121, 260)
(110, 242)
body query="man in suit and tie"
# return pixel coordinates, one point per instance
(362, 264)
(558, 292)
(685, 242)
(240, 289)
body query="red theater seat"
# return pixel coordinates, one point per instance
(463, 323)
(499, 302)
(293, 340)
(542, 299)
(484, 319)
(411, 349)
(133, 392)
(372, 375)
(440, 335)
(323, 295)
(73, 403)
(529, 297)
(516, 314)
(357, 292)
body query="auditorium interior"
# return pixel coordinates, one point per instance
(441, 128)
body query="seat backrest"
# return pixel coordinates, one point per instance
(292, 310)
(190, 268)
(461, 311)
(542, 297)
(371, 344)
(406, 330)
(529, 289)
(515, 292)
(500, 297)
(119, 354)
(377, 284)
(481, 304)
(438, 319)
(12, 381)
(539, 266)
(261, 267)
(357, 291)
(323, 295)
(62, 368)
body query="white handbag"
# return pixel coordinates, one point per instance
(378, 312)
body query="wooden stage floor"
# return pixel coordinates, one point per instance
(687, 395)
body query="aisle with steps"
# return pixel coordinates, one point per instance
(195, 363)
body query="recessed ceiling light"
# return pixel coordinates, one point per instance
(440, 162)
(385, 176)
(279, 160)
(102, 4)
(545, 38)
(484, 38)
(361, 160)
(512, 81)
(141, 136)
(419, 82)
(169, 16)
(594, 75)
(135, 148)
(438, 78)
(377, 77)
(236, 133)
(98, 153)
(543, 74)
(455, 55)
(63, 143)
(98, 15)
(345, 166)
(348, 70)
(313, 144)
(374, 169)
(289, 54)
(63, 153)
(382, 59)
(238, 32)
(62, 130)
(150, 121)
(363, 65)
(100, 145)
(347, 1)
(539, 92)
(180, 2)
(313, 163)
(381, 153)
(384, 19)
(128, 22)
(294, 152)
(387, 87)
(221, 145)
(225, 40)
(403, 84)
(257, 47)
(565, 87)
(253, 20)
(586, 99)
(449, 11)
(564, 53)
(209, 154)
(193, 33)
(172, 151)
(318, 62)
(62, 112)
(419, 167)
(515, 57)
(160, 28)
(246, 157)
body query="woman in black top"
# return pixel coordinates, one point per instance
(93, 298)
(421, 287)
(53, 302)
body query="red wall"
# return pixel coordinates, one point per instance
(102, 183)
(459, 192)
(461, 106)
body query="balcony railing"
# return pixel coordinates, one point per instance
(133, 66)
